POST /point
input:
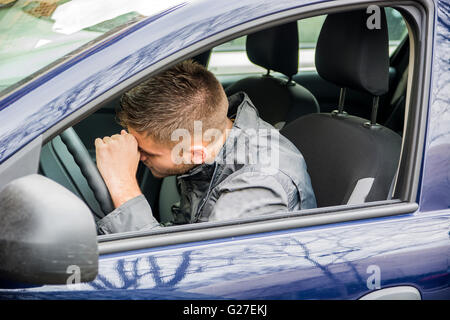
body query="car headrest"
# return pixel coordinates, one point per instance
(275, 48)
(351, 55)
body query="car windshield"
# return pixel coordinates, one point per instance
(36, 34)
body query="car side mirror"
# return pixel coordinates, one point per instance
(47, 234)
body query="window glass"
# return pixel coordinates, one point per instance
(396, 28)
(34, 34)
(230, 58)
(308, 33)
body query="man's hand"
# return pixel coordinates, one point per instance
(117, 160)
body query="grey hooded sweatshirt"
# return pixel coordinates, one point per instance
(257, 171)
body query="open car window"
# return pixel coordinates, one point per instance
(161, 194)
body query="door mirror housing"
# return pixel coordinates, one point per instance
(47, 234)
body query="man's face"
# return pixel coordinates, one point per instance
(158, 157)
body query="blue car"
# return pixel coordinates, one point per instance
(361, 88)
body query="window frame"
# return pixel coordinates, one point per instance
(419, 17)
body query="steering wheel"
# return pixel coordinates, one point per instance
(89, 170)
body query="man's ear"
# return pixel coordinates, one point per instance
(198, 154)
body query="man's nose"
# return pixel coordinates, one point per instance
(143, 157)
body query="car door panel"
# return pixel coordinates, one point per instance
(331, 262)
(340, 261)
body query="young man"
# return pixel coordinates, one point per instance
(229, 163)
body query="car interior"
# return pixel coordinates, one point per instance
(346, 118)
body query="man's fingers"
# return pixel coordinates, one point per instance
(98, 142)
(124, 138)
(116, 136)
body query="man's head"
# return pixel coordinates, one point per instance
(176, 99)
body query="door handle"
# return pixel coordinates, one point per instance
(394, 293)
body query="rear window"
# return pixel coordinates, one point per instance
(37, 34)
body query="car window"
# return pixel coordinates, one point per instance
(35, 34)
(396, 28)
(230, 58)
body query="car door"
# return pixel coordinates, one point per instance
(401, 257)
(397, 248)
(336, 261)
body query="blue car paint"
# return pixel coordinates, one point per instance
(435, 193)
(322, 262)
(332, 262)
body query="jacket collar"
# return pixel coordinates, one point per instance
(245, 116)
